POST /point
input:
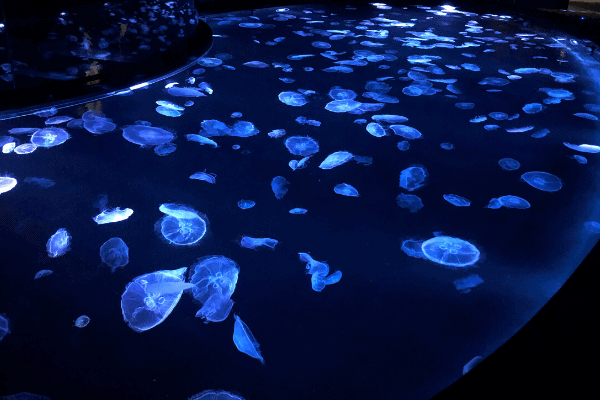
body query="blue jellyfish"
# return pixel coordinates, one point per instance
(410, 201)
(182, 225)
(337, 93)
(215, 395)
(146, 135)
(115, 253)
(298, 211)
(82, 321)
(513, 202)
(498, 116)
(57, 120)
(340, 106)
(389, 119)
(542, 181)
(49, 137)
(253, 243)
(245, 204)
(58, 244)
(245, 341)
(403, 145)
(464, 285)
(99, 126)
(465, 106)
(449, 251)
(346, 190)
(216, 308)
(213, 274)
(457, 200)
(201, 139)
(533, 108)
(185, 91)
(407, 132)
(4, 330)
(164, 149)
(256, 64)
(413, 248)
(115, 215)
(243, 129)
(149, 299)
(413, 178)
(471, 364)
(278, 184)
(204, 176)
(319, 271)
(294, 99)
(509, 164)
(168, 111)
(377, 87)
(43, 272)
(376, 129)
(302, 145)
(212, 127)
(25, 148)
(579, 159)
(335, 159)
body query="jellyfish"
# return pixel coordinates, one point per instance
(340, 106)
(413, 178)
(278, 184)
(533, 108)
(82, 321)
(149, 299)
(244, 340)
(457, 200)
(298, 211)
(216, 308)
(337, 93)
(243, 129)
(253, 243)
(410, 201)
(335, 159)
(42, 273)
(25, 148)
(472, 363)
(375, 129)
(389, 119)
(203, 176)
(201, 139)
(245, 204)
(464, 285)
(146, 135)
(413, 248)
(185, 91)
(407, 132)
(58, 244)
(99, 126)
(294, 99)
(513, 202)
(276, 133)
(542, 181)
(182, 225)
(215, 395)
(465, 106)
(256, 64)
(164, 149)
(449, 251)
(4, 330)
(509, 164)
(319, 271)
(115, 215)
(403, 145)
(584, 148)
(346, 190)
(213, 274)
(115, 253)
(49, 137)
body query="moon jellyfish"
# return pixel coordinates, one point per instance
(292, 99)
(185, 91)
(298, 211)
(410, 201)
(204, 176)
(201, 139)
(243, 129)
(498, 116)
(375, 129)
(245, 341)
(216, 308)
(464, 285)
(580, 159)
(319, 271)
(49, 137)
(340, 106)
(25, 148)
(471, 364)
(3, 327)
(213, 274)
(592, 226)
(256, 64)
(586, 116)
(337, 93)
(335, 159)
(542, 181)
(42, 273)
(413, 178)
(389, 119)
(164, 149)
(149, 299)
(494, 81)
(215, 395)
(253, 243)
(115, 253)
(276, 133)
(509, 164)
(513, 202)
(584, 148)
(58, 244)
(245, 204)
(146, 135)
(302, 145)
(57, 120)
(82, 321)
(278, 185)
(7, 183)
(450, 251)
(407, 132)
(403, 145)
(99, 126)
(457, 200)
(465, 106)
(182, 226)
(533, 108)
(413, 248)
(115, 215)
(346, 190)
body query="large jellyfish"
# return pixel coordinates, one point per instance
(58, 244)
(302, 145)
(49, 137)
(213, 274)
(182, 225)
(542, 181)
(147, 135)
(115, 253)
(149, 299)
(245, 341)
(450, 251)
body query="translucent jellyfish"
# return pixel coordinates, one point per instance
(410, 201)
(592, 226)
(245, 204)
(42, 273)
(471, 364)
(278, 185)
(201, 139)
(164, 149)
(407, 132)
(146, 135)
(256, 64)
(115, 215)
(558, 93)
(413, 178)
(509, 164)
(115, 253)
(383, 98)
(46, 113)
(580, 159)
(513, 202)
(335, 159)
(346, 190)
(376, 129)
(58, 244)
(494, 81)
(494, 204)
(533, 108)
(25, 148)
(540, 134)
(403, 145)
(389, 119)
(204, 176)
(253, 243)
(319, 271)
(168, 111)
(7, 183)
(185, 91)
(498, 116)
(99, 126)
(4, 330)
(471, 67)
(49, 137)
(413, 248)
(209, 62)
(457, 200)
(276, 133)
(213, 274)
(589, 107)
(338, 68)
(338, 93)
(236, 114)
(491, 127)
(586, 116)
(465, 106)
(245, 341)
(340, 106)
(149, 299)
(82, 321)
(447, 146)
(479, 118)
(182, 226)
(216, 308)
(8, 147)
(215, 395)
(464, 285)
(302, 145)
(542, 181)
(243, 129)
(584, 148)
(450, 251)
(520, 129)
(292, 99)
(298, 211)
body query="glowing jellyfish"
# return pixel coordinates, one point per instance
(302, 145)
(340, 106)
(201, 139)
(25, 148)
(449, 251)
(298, 211)
(542, 181)
(278, 184)
(513, 202)
(464, 285)
(213, 274)
(457, 200)
(376, 129)
(245, 204)
(294, 99)
(406, 132)
(245, 341)
(182, 225)
(149, 299)
(42, 273)
(147, 135)
(319, 271)
(82, 321)
(204, 176)
(115, 253)
(49, 137)
(338, 93)
(509, 164)
(413, 248)
(335, 159)
(216, 308)
(7, 183)
(533, 108)
(215, 395)
(4, 330)
(413, 178)
(58, 244)
(253, 243)
(243, 129)
(115, 215)
(99, 126)
(164, 149)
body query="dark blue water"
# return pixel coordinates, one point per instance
(395, 326)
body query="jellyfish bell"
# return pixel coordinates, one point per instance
(182, 226)
(450, 251)
(147, 135)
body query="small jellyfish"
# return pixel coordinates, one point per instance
(216, 308)
(82, 321)
(245, 204)
(278, 184)
(542, 181)
(253, 243)
(319, 271)
(464, 285)
(99, 126)
(201, 139)
(375, 129)
(182, 226)
(407, 132)
(413, 178)
(42, 273)
(245, 341)
(457, 200)
(346, 190)
(164, 149)
(4, 330)
(410, 201)
(58, 244)
(413, 248)
(513, 202)
(25, 148)
(533, 108)
(146, 135)
(298, 211)
(509, 164)
(115, 215)
(403, 145)
(115, 253)
(449, 251)
(340, 106)
(203, 176)
(447, 146)
(302, 145)
(294, 99)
